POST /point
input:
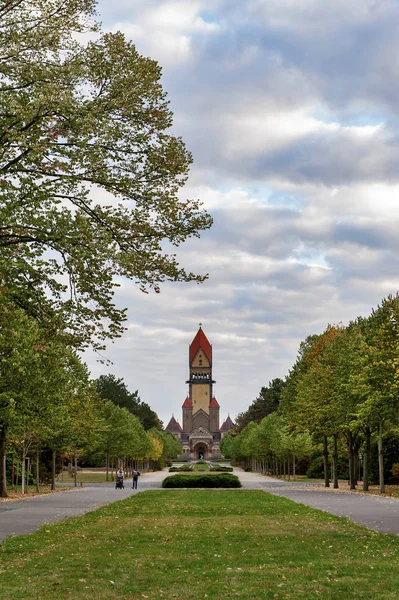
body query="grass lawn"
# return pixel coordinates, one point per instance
(194, 544)
(201, 467)
(85, 477)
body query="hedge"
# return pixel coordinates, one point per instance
(219, 468)
(225, 480)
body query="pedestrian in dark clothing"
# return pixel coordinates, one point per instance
(136, 475)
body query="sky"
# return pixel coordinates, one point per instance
(289, 108)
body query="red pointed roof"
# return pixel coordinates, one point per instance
(187, 403)
(200, 341)
(214, 403)
(227, 425)
(173, 425)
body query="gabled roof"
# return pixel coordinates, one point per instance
(214, 403)
(173, 425)
(200, 341)
(227, 425)
(187, 403)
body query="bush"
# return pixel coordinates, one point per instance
(219, 468)
(173, 469)
(202, 481)
(158, 465)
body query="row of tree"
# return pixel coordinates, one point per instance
(47, 401)
(90, 192)
(342, 389)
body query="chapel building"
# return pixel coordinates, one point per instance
(200, 433)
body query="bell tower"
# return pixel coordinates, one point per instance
(201, 434)
(200, 372)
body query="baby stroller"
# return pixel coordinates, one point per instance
(119, 483)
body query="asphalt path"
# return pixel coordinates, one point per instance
(375, 512)
(21, 517)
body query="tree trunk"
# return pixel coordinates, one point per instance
(76, 469)
(325, 462)
(37, 470)
(366, 459)
(107, 466)
(3, 481)
(352, 475)
(293, 466)
(335, 461)
(381, 460)
(23, 474)
(53, 457)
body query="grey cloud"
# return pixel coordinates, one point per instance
(265, 293)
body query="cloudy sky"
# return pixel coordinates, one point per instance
(290, 110)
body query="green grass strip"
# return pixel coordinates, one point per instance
(194, 544)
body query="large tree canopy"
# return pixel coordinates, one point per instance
(90, 176)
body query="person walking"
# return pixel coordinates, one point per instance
(136, 475)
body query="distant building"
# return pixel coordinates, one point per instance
(200, 434)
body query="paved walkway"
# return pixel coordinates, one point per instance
(25, 516)
(375, 512)
(20, 517)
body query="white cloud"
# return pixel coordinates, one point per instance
(290, 110)
(164, 30)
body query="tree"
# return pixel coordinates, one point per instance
(21, 352)
(171, 447)
(111, 388)
(313, 405)
(229, 444)
(379, 410)
(71, 419)
(267, 402)
(90, 175)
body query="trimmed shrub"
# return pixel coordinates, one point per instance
(226, 480)
(219, 468)
(173, 469)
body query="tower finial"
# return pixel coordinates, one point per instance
(200, 325)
